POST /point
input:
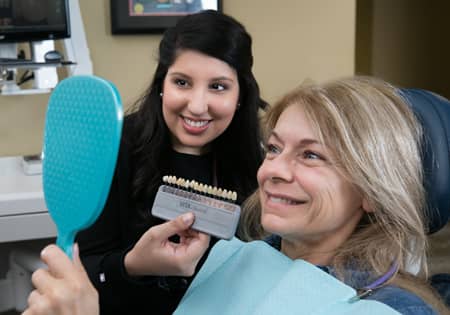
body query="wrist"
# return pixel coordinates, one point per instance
(129, 263)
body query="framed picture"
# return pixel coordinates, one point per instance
(154, 16)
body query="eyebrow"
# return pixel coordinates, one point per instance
(303, 142)
(181, 74)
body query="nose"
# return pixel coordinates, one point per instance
(279, 168)
(198, 102)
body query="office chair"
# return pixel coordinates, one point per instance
(433, 111)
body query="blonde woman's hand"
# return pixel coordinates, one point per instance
(63, 289)
(155, 254)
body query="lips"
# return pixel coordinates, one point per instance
(195, 126)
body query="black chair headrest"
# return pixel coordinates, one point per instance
(433, 111)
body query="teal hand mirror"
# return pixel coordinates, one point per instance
(81, 141)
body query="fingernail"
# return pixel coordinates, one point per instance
(188, 218)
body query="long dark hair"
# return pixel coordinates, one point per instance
(237, 150)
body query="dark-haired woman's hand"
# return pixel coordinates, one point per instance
(154, 254)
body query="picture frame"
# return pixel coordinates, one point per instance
(154, 16)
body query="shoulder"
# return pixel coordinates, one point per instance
(125, 158)
(403, 301)
(130, 134)
(130, 123)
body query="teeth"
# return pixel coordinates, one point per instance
(196, 123)
(283, 200)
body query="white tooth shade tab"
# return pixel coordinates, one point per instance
(201, 188)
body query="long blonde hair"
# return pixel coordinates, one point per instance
(375, 138)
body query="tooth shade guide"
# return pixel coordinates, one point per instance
(205, 200)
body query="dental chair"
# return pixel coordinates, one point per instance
(433, 111)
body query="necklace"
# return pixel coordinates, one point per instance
(367, 290)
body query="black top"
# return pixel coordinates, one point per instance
(103, 246)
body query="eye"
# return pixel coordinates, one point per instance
(271, 149)
(310, 155)
(218, 86)
(312, 158)
(181, 82)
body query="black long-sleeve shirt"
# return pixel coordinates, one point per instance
(103, 246)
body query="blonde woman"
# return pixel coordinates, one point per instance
(341, 187)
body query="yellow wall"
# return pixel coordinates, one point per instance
(293, 40)
(404, 42)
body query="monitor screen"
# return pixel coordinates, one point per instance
(33, 20)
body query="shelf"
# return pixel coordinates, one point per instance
(9, 65)
(24, 92)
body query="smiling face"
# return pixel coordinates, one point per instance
(304, 198)
(200, 97)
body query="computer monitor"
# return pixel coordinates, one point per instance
(33, 20)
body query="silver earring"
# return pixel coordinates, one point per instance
(161, 94)
(238, 105)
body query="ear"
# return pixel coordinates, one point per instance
(366, 206)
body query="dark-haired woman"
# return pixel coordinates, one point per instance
(198, 120)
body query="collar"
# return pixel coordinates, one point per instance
(351, 276)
